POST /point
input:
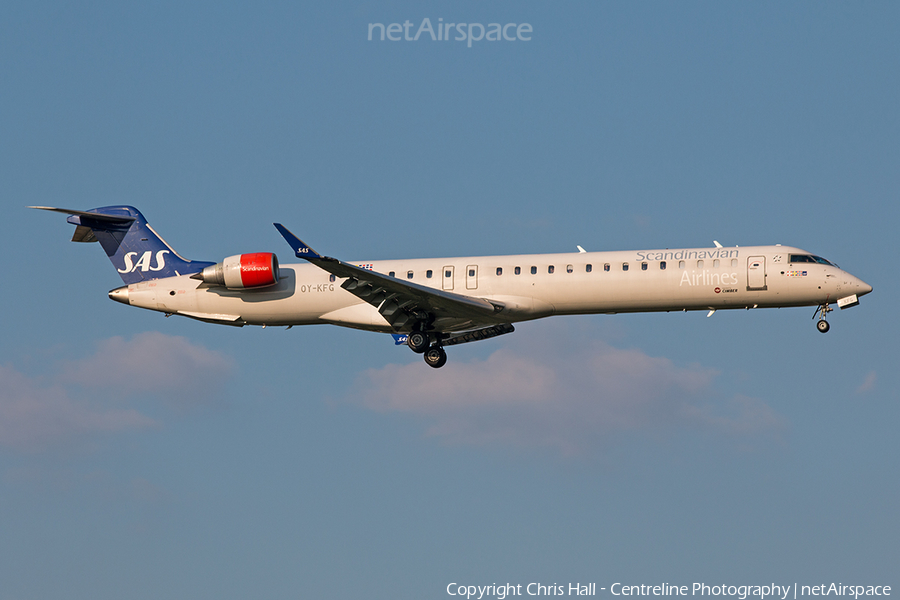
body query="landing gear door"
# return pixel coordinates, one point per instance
(448, 278)
(756, 273)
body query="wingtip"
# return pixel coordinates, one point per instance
(301, 250)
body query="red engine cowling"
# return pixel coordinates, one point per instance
(256, 270)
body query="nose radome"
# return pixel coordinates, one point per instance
(862, 288)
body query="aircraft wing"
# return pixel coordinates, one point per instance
(397, 300)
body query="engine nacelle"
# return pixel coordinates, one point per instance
(242, 271)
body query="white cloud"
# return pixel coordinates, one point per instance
(868, 383)
(96, 395)
(153, 362)
(570, 398)
(34, 417)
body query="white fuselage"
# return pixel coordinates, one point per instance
(528, 286)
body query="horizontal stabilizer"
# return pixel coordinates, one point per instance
(123, 219)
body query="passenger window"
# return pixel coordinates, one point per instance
(499, 271)
(699, 264)
(606, 267)
(428, 274)
(624, 266)
(518, 270)
(588, 268)
(569, 268)
(534, 270)
(662, 265)
(716, 264)
(733, 262)
(550, 269)
(331, 278)
(409, 274)
(392, 274)
(680, 264)
(643, 266)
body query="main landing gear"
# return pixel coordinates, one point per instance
(418, 341)
(822, 311)
(436, 356)
(421, 343)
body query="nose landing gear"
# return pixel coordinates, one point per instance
(822, 311)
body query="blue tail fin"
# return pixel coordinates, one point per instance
(136, 251)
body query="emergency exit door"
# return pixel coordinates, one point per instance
(472, 277)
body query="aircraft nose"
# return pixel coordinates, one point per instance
(862, 287)
(120, 294)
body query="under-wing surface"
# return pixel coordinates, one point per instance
(432, 303)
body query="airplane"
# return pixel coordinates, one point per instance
(432, 303)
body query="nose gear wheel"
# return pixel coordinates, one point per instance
(821, 312)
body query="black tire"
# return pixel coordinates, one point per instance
(418, 341)
(823, 326)
(435, 357)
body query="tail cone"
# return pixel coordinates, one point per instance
(120, 294)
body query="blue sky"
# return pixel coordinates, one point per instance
(144, 457)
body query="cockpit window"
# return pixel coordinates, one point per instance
(809, 258)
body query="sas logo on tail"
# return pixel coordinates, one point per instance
(144, 262)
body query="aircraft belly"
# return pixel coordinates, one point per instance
(361, 314)
(523, 308)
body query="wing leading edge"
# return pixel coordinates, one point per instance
(400, 302)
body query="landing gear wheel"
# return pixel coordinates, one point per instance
(418, 342)
(822, 312)
(436, 357)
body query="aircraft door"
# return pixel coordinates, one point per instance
(756, 273)
(448, 278)
(472, 277)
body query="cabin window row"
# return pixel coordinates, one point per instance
(588, 268)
